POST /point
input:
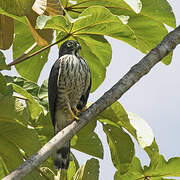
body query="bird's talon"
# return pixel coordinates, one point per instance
(84, 109)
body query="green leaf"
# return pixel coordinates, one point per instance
(3, 65)
(14, 135)
(148, 33)
(159, 10)
(120, 144)
(87, 141)
(118, 116)
(135, 171)
(19, 135)
(147, 26)
(33, 92)
(9, 152)
(20, 19)
(22, 112)
(7, 31)
(44, 128)
(31, 68)
(165, 168)
(144, 132)
(98, 53)
(101, 21)
(57, 22)
(3, 87)
(155, 9)
(73, 167)
(17, 7)
(2, 169)
(34, 107)
(41, 21)
(31, 87)
(43, 91)
(88, 171)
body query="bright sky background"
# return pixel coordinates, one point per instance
(155, 98)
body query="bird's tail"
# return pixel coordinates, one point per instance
(62, 157)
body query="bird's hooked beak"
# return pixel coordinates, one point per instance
(78, 47)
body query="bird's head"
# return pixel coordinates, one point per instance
(69, 47)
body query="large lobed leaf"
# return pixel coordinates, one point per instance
(14, 135)
(7, 31)
(30, 91)
(159, 10)
(165, 168)
(120, 144)
(135, 171)
(88, 171)
(29, 69)
(87, 141)
(89, 30)
(145, 20)
(116, 115)
(17, 7)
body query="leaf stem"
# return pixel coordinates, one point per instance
(25, 53)
(17, 61)
(20, 97)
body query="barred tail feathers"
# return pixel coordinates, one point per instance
(62, 155)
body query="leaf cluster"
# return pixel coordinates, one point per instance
(29, 27)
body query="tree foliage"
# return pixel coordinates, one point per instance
(27, 27)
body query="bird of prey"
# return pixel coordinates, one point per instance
(68, 90)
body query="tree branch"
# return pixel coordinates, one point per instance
(135, 73)
(21, 59)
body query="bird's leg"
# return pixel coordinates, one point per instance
(76, 111)
(83, 109)
(73, 115)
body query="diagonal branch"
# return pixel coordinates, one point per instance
(22, 58)
(135, 73)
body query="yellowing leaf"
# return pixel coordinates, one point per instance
(6, 31)
(17, 7)
(54, 8)
(39, 6)
(42, 37)
(144, 132)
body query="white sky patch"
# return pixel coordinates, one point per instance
(124, 19)
(136, 5)
(73, 2)
(144, 132)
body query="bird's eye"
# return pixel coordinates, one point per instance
(68, 44)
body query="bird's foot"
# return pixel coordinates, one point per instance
(76, 111)
(74, 116)
(83, 109)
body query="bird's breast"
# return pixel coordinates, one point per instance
(73, 73)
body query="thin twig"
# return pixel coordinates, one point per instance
(73, 11)
(37, 52)
(26, 52)
(20, 97)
